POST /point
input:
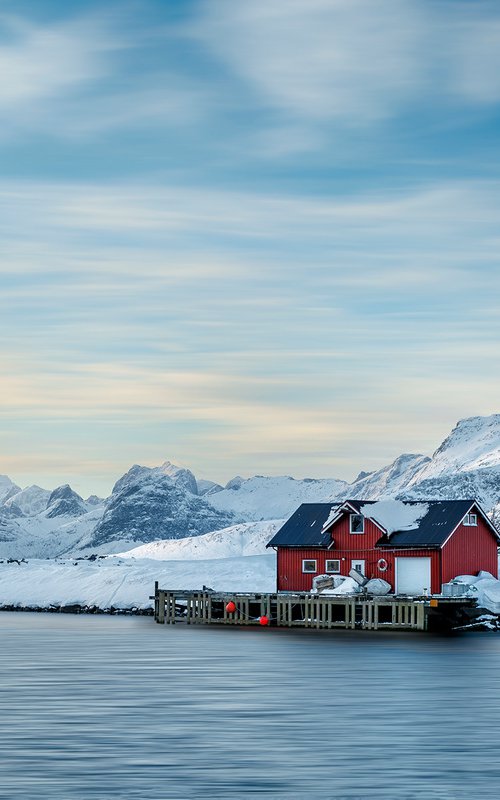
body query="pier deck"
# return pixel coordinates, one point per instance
(305, 610)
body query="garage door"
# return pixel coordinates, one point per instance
(413, 575)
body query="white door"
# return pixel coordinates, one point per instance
(413, 575)
(359, 564)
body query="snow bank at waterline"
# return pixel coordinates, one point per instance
(125, 584)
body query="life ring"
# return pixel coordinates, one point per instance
(382, 564)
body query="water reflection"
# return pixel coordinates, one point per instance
(99, 707)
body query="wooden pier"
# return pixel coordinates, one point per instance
(306, 610)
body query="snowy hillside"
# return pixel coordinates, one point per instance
(262, 498)
(245, 539)
(43, 537)
(113, 582)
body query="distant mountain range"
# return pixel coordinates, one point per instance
(168, 502)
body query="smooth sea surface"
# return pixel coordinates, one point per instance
(119, 707)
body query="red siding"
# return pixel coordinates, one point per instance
(470, 549)
(289, 563)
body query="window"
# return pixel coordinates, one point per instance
(309, 565)
(332, 565)
(357, 523)
(470, 519)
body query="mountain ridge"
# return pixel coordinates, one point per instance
(168, 502)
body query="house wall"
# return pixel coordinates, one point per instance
(469, 550)
(291, 578)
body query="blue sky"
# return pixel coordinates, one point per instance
(249, 237)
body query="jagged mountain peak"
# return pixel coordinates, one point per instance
(206, 487)
(473, 439)
(179, 476)
(149, 505)
(64, 501)
(361, 476)
(387, 481)
(30, 501)
(94, 500)
(474, 443)
(7, 488)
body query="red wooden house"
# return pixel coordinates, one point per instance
(453, 537)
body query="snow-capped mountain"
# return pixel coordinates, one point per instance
(30, 501)
(64, 502)
(260, 497)
(466, 464)
(7, 488)
(94, 500)
(473, 444)
(179, 476)
(159, 504)
(388, 481)
(148, 504)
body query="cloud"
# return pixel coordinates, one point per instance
(40, 62)
(136, 217)
(356, 61)
(68, 78)
(475, 55)
(317, 58)
(267, 79)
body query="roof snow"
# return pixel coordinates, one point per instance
(333, 513)
(395, 515)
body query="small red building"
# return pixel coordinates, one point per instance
(451, 538)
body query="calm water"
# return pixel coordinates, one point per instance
(100, 707)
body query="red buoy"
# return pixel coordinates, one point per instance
(230, 607)
(263, 620)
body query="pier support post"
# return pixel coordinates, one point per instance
(161, 607)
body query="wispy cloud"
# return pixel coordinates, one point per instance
(300, 70)
(356, 61)
(40, 62)
(320, 59)
(69, 78)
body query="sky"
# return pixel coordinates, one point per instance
(251, 238)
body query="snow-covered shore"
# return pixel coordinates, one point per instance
(126, 583)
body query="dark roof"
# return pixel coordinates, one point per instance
(304, 527)
(433, 530)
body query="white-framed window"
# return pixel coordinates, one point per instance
(359, 565)
(356, 523)
(470, 519)
(309, 565)
(332, 565)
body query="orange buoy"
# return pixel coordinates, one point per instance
(264, 620)
(230, 607)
